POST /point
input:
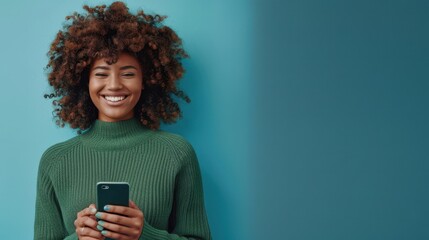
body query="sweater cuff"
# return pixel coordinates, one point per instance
(72, 237)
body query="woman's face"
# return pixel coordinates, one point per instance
(115, 89)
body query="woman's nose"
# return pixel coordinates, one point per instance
(114, 83)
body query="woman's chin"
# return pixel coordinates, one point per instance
(115, 116)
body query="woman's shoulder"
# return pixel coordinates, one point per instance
(176, 144)
(170, 139)
(58, 150)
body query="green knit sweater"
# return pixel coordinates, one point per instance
(161, 168)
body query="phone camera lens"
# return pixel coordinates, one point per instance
(104, 187)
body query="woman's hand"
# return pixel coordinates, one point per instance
(86, 224)
(121, 223)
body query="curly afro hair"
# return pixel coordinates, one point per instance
(105, 32)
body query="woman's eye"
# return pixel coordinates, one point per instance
(101, 75)
(128, 74)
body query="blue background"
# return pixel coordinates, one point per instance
(309, 118)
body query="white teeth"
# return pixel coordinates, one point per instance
(114, 98)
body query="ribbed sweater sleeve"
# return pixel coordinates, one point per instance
(48, 219)
(188, 219)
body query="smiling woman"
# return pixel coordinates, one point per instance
(114, 75)
(104, 34)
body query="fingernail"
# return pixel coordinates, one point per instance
(101, 223)
(98, 215)
(106, 208)
(93, 210)
(104, 232)
(99, 227)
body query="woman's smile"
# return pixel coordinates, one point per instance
(114, 100)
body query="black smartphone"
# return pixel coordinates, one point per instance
(112, 193)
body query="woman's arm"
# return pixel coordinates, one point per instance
(188, 219)
(48, 222)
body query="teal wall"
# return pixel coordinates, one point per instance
(309, 118)
(340, 133)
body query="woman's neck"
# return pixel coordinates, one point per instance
(114, 135)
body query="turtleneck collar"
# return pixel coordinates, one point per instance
(114, 135)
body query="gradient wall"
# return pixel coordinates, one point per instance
(309, 118)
